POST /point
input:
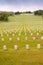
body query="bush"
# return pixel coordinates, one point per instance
(17, 13)
(38, 12)
(3, 17)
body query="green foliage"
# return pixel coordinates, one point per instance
(27, 12)
(3, 17)
(17, 13)
(39, 12)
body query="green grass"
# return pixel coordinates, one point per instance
(33, 56)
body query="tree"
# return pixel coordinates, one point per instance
(28, 12)
(17, 13)
(38, 12)
(3, 16)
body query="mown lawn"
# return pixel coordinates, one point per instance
(16, 25)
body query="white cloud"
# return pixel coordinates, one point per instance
(19, 8)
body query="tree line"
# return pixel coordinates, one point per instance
(5, 15)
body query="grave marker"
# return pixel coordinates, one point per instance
(10, 39)
(15, 47)
(4, 47)
(38, 46)
(3, 39)
(27, 46)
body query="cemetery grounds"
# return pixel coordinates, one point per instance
(21, 30)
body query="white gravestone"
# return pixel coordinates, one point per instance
(1, 35)
(4, 47)
(42, 38)
(38, 46)
(31, 34)
(37, 33)
(26, 38)
(2, 39)
(34, 38)
(15, 47)
(7, 35)
(18, 38)
(27, 46)
(10, 39)
(13, 34)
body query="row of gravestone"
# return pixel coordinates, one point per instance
(23, 28)
(16, 47)
(19, 33)
(18, 38)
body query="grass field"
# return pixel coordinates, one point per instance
(25, 27)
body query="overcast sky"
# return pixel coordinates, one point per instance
(21, 5)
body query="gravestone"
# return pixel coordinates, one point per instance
(42, 38)
(10, 39)
(1, 35)
(34, 38)
(3, 39)
(31, 34)
(26, 38)
(15, 47)
(18, 38)
(7, 35)
(4, 47)
(38, 46)
(27, 46)
(13, 34)
(37, 33)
